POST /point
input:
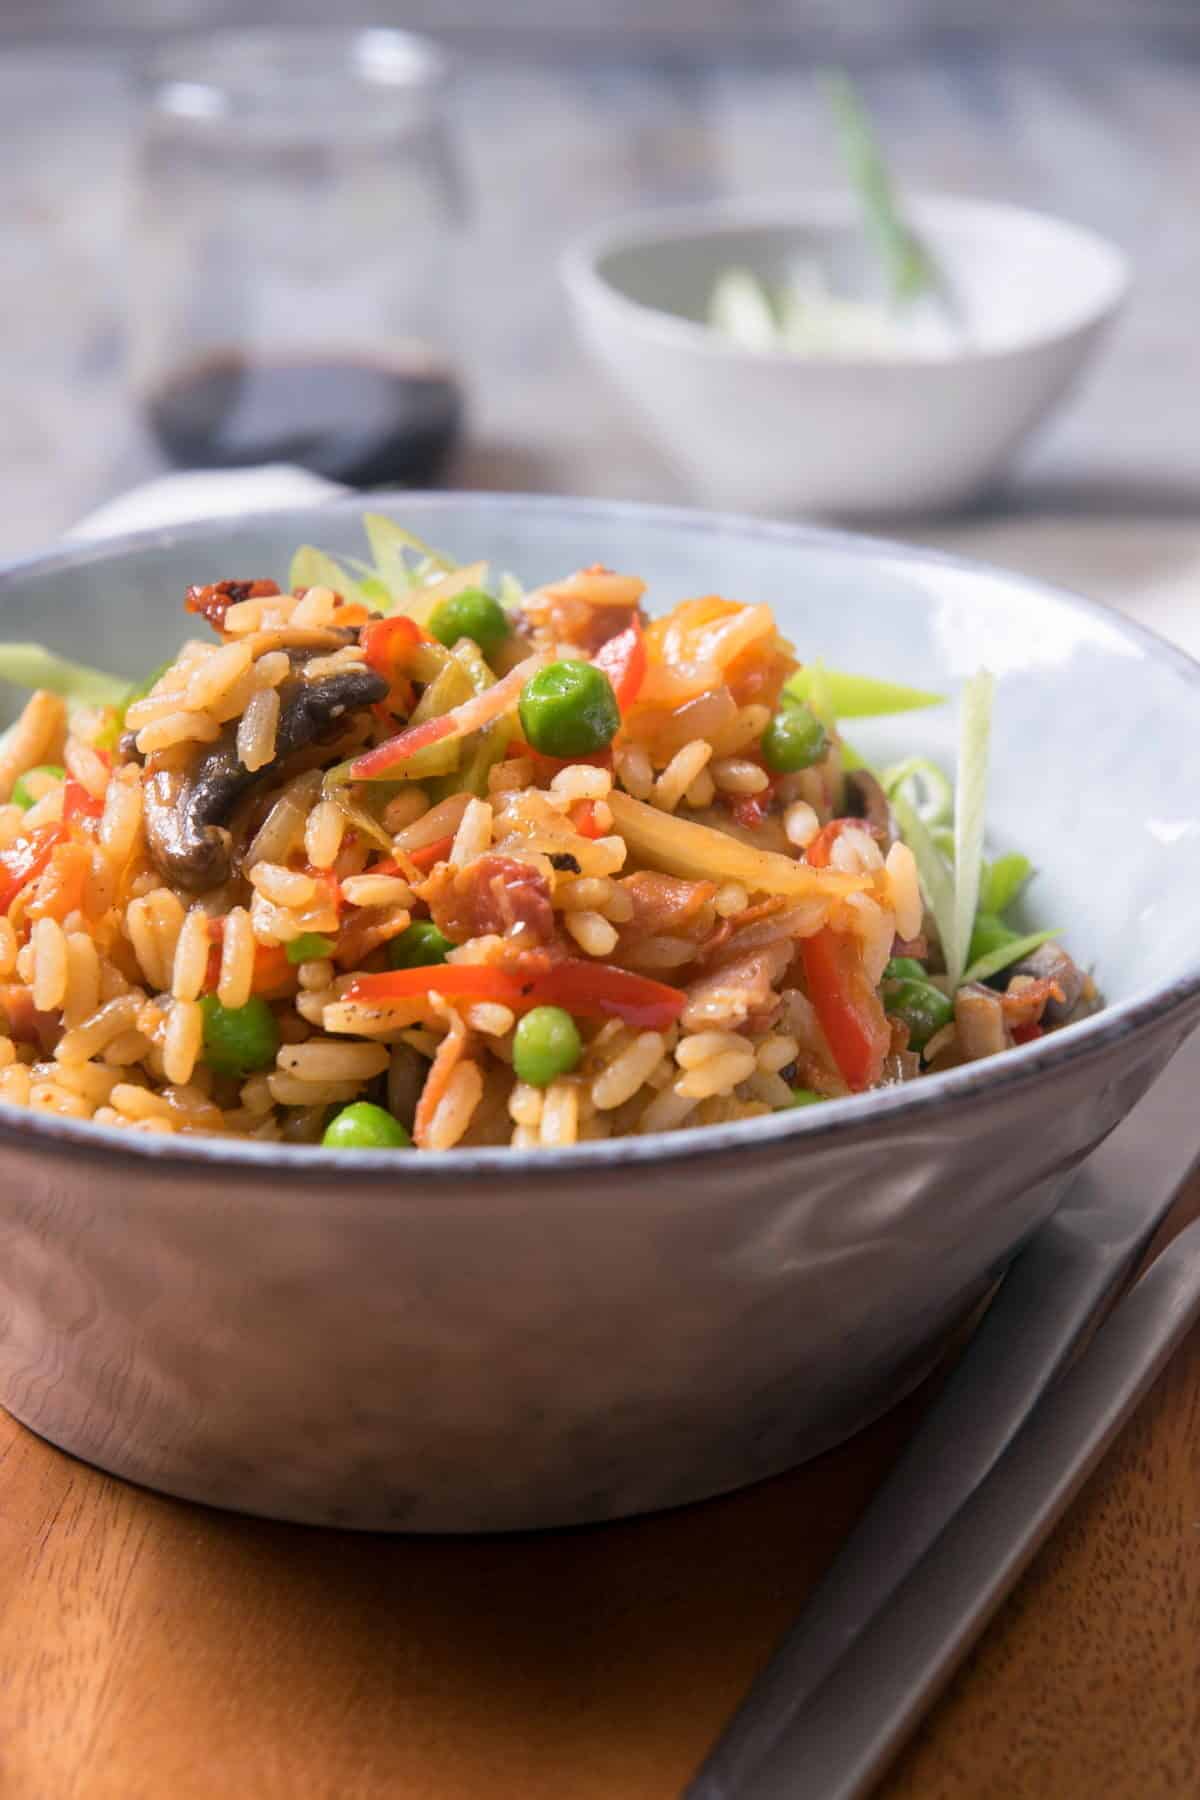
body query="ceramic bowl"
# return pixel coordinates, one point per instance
(776, 431)
(492, 1339)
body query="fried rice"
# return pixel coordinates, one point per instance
(309, 777)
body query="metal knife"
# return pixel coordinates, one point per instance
(1045, 1304)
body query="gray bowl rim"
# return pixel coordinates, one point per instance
(856, 1116)
(581, 275)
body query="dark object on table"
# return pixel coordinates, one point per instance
(360, 420)
(297, 208)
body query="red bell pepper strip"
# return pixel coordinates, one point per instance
(25, 860)
(819, 853)
(601, 991)
(387, 644)
(848, 1007)
(623, 659)
(429, 854)
(78, 805)
(586, 989)
(271, 965)
(583, 818)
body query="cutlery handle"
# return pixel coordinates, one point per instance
(1045, 1304)
(836, 1745)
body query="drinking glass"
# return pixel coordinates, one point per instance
(292, 281)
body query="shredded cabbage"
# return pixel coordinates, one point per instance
(699, 853)
(984, 967)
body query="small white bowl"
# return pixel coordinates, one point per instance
(776, 430)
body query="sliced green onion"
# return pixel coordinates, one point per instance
(970, 804)
(23, 795)
(810, 686)
(926, 788)
(1002, 880)
(910, 269)
(847, 696)
(391, 547)
(740, 306)
(33, 666)
(511, 592)
(311, 567)
(984, 967)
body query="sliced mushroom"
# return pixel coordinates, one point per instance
(188, 810)
(1050, 962)
(979, 1019)
(865, 799)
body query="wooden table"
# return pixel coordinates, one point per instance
(151, 1648)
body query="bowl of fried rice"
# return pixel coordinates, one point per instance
(516, 1012)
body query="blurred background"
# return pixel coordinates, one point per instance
(563, 113)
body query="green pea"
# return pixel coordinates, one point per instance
(23, 795)
(919, 1005)
(902, 966)
(365, 1127)
(471, 614)
(310, 946)
(419, 945)
(569, 709)
(239, 1039)
(805, 1097)
(546, 1044)
(989, 933)
(794, 739)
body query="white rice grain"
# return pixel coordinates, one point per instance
(594, 935)
(679, 775)
(903, 890)
(257, 730)
(627, 1072)
(800, 824)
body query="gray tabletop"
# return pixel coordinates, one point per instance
(1100, 126)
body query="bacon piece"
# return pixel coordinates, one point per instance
(665, 904)
(739, 991)
(495, 895)
(213, 600)
(25, 1024)
(62, 887)
(1027, 999)
(586, 609)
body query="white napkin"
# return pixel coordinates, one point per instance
(205, 494)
